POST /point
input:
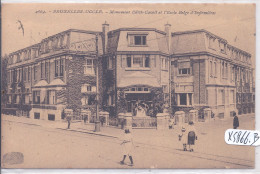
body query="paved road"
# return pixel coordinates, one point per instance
(56, 148)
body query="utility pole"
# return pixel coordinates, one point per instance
(97, 122)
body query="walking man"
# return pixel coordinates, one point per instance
(127, 147)
(235, 121)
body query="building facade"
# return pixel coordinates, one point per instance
(158, 70)
(57, 73)
(206, 71)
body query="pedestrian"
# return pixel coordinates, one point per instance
(69, 121)
(182, 138)
(188, 136)
(171, 123)
(191, 136)
(85, 119)
(127, 147)
(235, 121)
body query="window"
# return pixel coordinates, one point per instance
(51, 97)
(226, 70)
(88, 100)
(110, 62)
(223, 70)
(36, 115)
(140, 40)
(110, 101)
(9, 99)
(184, 71)
(215, 65)
(128, 61)
(211, 69)
(89, 67)
(138, 61)
(29, 74)
(221, 98)
(88, 88)
(42, 70)
(164, 63)
(17, 99)
(232, 97)
(27, 99)
(36, 97)
(25, 74)
(137, 39)
(51, 117)
(47, 70)
(58, 67)
(232, 73)
(184, 68)
(34, 72)
(184, 99)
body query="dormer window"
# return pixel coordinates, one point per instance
(140, 40)
(137, 39)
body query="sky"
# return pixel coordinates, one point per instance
(233, 22)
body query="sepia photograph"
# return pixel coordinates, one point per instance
(127, 86)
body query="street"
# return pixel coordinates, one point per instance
(56, 147)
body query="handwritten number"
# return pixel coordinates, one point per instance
(256, 137)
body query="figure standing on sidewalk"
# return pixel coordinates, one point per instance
(188, 136)
(69, 121)
(127, 147)
(191, 136)
(235, 121)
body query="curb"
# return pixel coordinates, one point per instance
(88, 132)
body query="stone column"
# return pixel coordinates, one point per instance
(179, 117)
(121, 120)
(207, 114)
(162, 121)
(128, 120)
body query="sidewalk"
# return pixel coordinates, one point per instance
(207, 131)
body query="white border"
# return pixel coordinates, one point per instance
(164, 171)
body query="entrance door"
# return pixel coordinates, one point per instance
(134, 98)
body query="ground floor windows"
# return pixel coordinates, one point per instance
(183, 99)
(51, 97)
(36, 115)
(27, 99)
(17, 99)
(10, 99)
(36, 97)
(51, 117)
(88, 100)
(110, 100)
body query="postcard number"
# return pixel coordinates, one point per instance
(242, 137)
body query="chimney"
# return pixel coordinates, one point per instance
(168, 34)
(105, 29)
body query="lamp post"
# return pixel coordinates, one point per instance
(97, 122)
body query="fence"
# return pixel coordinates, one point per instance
(144, 122)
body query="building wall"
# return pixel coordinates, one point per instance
(75, 80)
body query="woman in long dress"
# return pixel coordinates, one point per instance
(188, 137)
(127, 147)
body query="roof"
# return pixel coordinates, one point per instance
(136, 29)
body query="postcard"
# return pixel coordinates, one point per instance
(128, 85)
